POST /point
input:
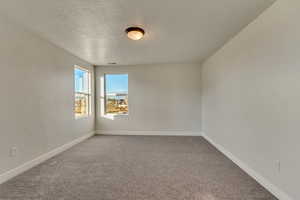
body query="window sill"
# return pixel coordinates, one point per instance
(115, 116)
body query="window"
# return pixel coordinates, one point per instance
(82, 106)
(116, 94)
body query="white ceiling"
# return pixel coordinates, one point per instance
(176, 30)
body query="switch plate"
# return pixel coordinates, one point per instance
(13, 151)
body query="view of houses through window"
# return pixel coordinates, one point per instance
(116, 93)
(82, 92)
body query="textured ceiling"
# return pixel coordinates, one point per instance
(176, 30)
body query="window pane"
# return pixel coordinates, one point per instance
(116, 93)
(81, 80)
(81, 104)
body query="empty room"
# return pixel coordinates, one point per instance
(150, 100)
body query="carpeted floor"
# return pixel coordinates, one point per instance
(136, 168)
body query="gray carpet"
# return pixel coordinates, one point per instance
(136, 168)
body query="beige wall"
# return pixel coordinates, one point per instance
(251, 95)
(161, 98)
(36, 101)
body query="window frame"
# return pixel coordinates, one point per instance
(105, 99)
(88, 94)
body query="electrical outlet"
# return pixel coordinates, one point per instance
(13, 151)
(278, 163)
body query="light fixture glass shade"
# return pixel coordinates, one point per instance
(135, 33)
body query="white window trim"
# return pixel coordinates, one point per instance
(112, 115)
(89, 94)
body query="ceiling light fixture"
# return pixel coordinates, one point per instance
(135, 33)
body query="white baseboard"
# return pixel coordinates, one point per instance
(30, 164)
(258, 177)
(157, 133)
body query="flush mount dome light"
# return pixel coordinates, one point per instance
(135, 33)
